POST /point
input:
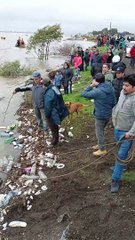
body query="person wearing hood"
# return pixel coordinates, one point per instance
(116, 62)
(104, 100)
(55, 109)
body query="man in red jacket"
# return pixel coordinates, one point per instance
(132, 54)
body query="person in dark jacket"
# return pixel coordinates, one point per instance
(55, 110)
(38, 91)
(117, 83)
(86, 58)
(67, 74)
(104, 100)
(96, 63)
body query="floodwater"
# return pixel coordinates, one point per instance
(8, 52)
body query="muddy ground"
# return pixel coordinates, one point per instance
(78, 198)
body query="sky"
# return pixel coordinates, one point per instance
(74, 16)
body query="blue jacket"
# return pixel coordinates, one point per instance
(54, 106)
(58, 80)
(104, 99)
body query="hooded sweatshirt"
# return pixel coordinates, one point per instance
(104, 99)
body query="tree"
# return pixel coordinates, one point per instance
(40, 41)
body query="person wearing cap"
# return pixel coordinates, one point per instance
(55, 110)
(117, 83)
(123, 118)
(38, 91)
(104, 100)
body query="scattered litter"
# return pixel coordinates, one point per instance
(70, 134)
(61, 130)
(60, 165)
(44, 187)
(42, 175)
(71, 128)
(17, 224)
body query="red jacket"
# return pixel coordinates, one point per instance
(132, 52)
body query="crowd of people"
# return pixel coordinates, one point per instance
(113, 93)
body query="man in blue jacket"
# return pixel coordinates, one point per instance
(104, 100)
(55, 110)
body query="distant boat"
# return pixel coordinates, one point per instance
(3, 38)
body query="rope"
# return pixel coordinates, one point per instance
(81, 168)
(130, 155)
(7, 108)
(87, 165)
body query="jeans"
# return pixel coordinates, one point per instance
(122, 153)
(132, 62)
(100, 126)
(41, 119)
(77, 72)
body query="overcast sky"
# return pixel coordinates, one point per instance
(74, 16)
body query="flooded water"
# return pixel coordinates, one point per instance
(8, 52)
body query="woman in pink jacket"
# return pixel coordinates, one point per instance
(77, 61)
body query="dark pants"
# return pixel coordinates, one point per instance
(55, 131)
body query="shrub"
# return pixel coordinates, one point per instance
(14, 69)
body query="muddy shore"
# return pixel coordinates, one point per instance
(77, 204)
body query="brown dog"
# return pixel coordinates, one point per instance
(74, 107)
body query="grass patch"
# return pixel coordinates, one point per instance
(14, 69)
(128, 177)
(85, 80)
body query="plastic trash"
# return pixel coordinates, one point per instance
(70, 134)
(33, 169)
(17, 224)
(6, 134)
(65, 234)
(4, 201)
(10, 163)
(9, 140)
(12, 127)
(42, 175)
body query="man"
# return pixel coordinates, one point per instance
(104, 100)
(132, 54)
(117, 83)
(38, 91)
(124, 126)
(55, 110)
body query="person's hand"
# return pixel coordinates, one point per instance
(14, 92)
(127, 136)
(94, 84)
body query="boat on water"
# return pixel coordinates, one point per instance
(3, 38)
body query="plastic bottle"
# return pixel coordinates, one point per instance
(33, 169)
(10, 163)
(9, 140)
(6, 134)
(7, 198)
(42, 175)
